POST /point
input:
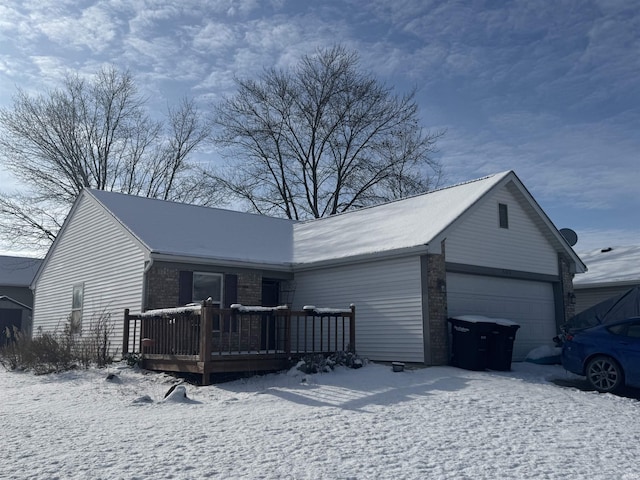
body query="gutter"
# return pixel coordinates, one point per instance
(620, 283)
(148, 264)
(222, 262)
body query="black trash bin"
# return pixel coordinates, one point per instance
(501, 339)
(470, 342)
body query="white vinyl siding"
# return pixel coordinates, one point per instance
(388, 304)
(94, 251)
(587, 297)
(528, 303)
(479, 240)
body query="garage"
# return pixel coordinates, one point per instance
(529, 303)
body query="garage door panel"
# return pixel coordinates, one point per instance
(529, 303)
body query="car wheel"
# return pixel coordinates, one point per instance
(604, 374)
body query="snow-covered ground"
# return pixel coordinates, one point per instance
(438, 422)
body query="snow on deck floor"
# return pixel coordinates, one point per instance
(438, 422)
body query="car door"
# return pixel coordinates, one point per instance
(629, 348)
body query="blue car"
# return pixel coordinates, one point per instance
(608, 355)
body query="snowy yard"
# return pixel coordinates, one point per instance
(438, 422)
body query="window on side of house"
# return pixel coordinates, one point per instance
(503, 215)
(77, 301)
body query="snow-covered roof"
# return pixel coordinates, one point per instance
(392, 226)
(18, 271)
(610, 265)
(180, 229)
(196, 233)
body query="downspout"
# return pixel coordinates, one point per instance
(424, 291)
(147, 267)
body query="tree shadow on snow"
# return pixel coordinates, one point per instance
(358, 399)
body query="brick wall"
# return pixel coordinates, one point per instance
(250, 288)
(437, 310)
(162, 287)
(566, 277)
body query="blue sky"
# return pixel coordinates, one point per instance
(550, 90)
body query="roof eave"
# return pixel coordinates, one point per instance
(20, 304)
(222, 262)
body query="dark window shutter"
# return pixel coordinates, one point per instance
(230, 290)
(185, 288)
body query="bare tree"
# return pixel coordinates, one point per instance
(322, 138)
(93, 133)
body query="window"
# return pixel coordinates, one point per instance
(207, 285)
(503, 215)
(77, 300)
(634, 330)
(618, 329)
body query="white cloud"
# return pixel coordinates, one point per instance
(50, 70)
(11, 22)
(567, 163)
(93, 28)
(213, 37)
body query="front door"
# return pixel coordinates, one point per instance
(10, 323)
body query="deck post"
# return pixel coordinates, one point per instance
(125, 332)
(352, 329)
(287, 331)
(206, 329)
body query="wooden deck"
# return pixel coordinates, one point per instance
(201, 339)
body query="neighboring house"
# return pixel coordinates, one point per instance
(612, 271)
(16, 298)
(482, 247)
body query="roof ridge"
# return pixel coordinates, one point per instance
(96, 193)
(390, 202)
(175, 202)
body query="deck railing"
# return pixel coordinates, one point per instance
(204, 332)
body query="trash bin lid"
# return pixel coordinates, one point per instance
(505, 322)
(482, 319)
(473, 318)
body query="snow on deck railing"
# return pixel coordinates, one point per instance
(196, 308)
(162, 312)
(256, 308)
(326, 311)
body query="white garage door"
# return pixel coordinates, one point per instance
(528, 303)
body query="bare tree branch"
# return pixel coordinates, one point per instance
(322, 138)
(94, 134)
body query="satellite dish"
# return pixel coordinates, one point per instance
(569, 235)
